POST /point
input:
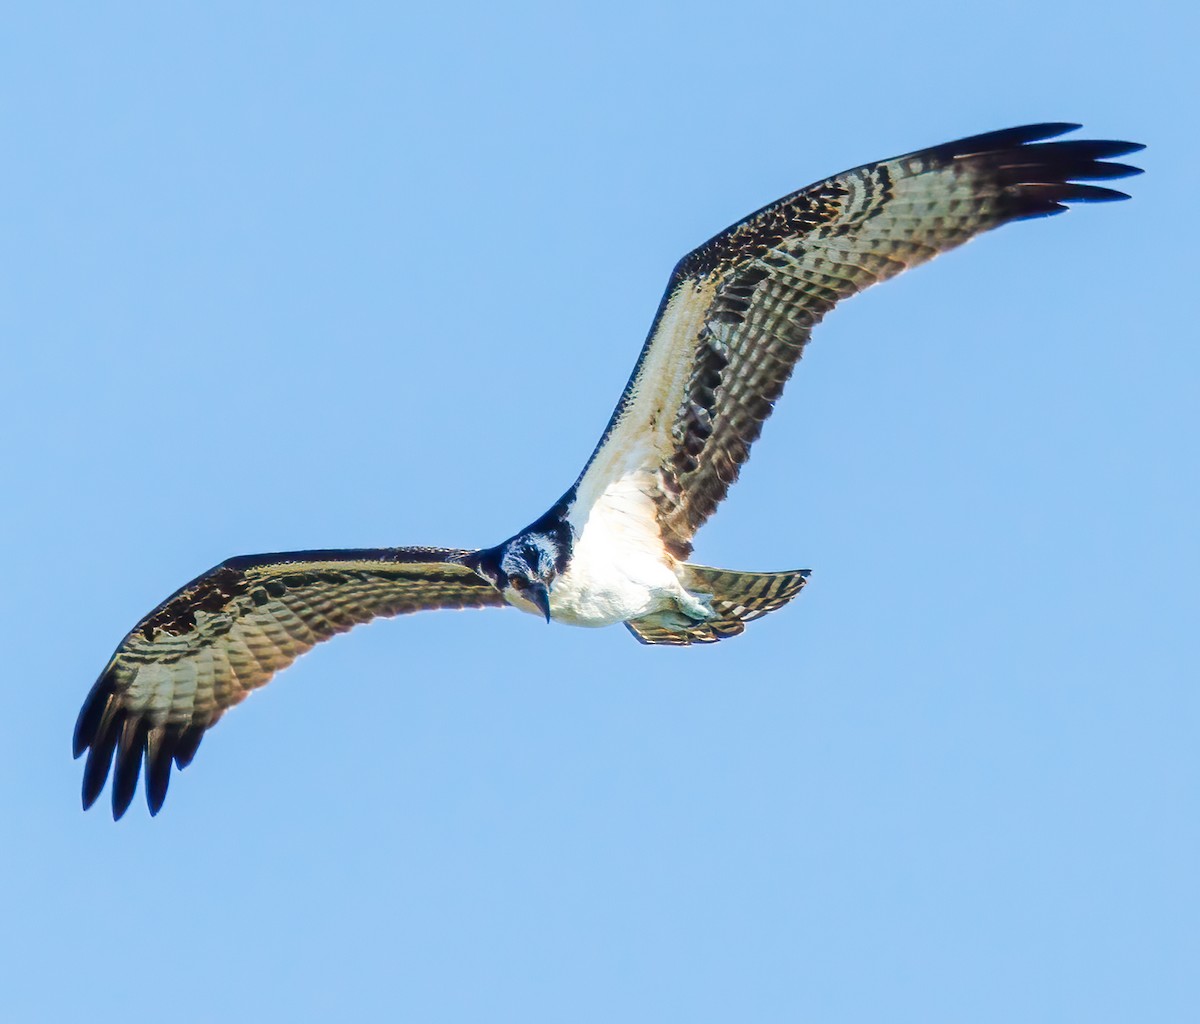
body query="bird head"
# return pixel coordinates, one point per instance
(527, 567)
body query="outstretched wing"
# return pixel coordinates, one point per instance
(738, 311)
(227, 632)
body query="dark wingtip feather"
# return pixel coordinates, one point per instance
(1095, 149)
(1077, 193)
(103, 743)
(156, 797)
(1106, 169)
(187, 744)
(160, 747)
(97, 730)
(130, 749)
(90, 715)
(1007, 138)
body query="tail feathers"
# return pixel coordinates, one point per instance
(736, 598)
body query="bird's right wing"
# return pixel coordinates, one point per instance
(229, 631)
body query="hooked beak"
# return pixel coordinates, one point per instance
(540, 596)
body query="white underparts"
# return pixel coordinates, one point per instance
(619, 569)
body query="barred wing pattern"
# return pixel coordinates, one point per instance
(739, 310)
(228, 632)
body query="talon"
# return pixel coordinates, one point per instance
(698, 607)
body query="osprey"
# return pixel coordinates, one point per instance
(734, 320)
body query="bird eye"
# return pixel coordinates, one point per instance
(516, 582)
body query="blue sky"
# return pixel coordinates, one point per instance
(287, 276)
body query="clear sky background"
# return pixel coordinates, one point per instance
(288, 276)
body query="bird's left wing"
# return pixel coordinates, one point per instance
(229, 631)
(738, 310)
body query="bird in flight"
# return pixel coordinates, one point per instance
(734, 320)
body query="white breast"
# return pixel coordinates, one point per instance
(619, 569)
